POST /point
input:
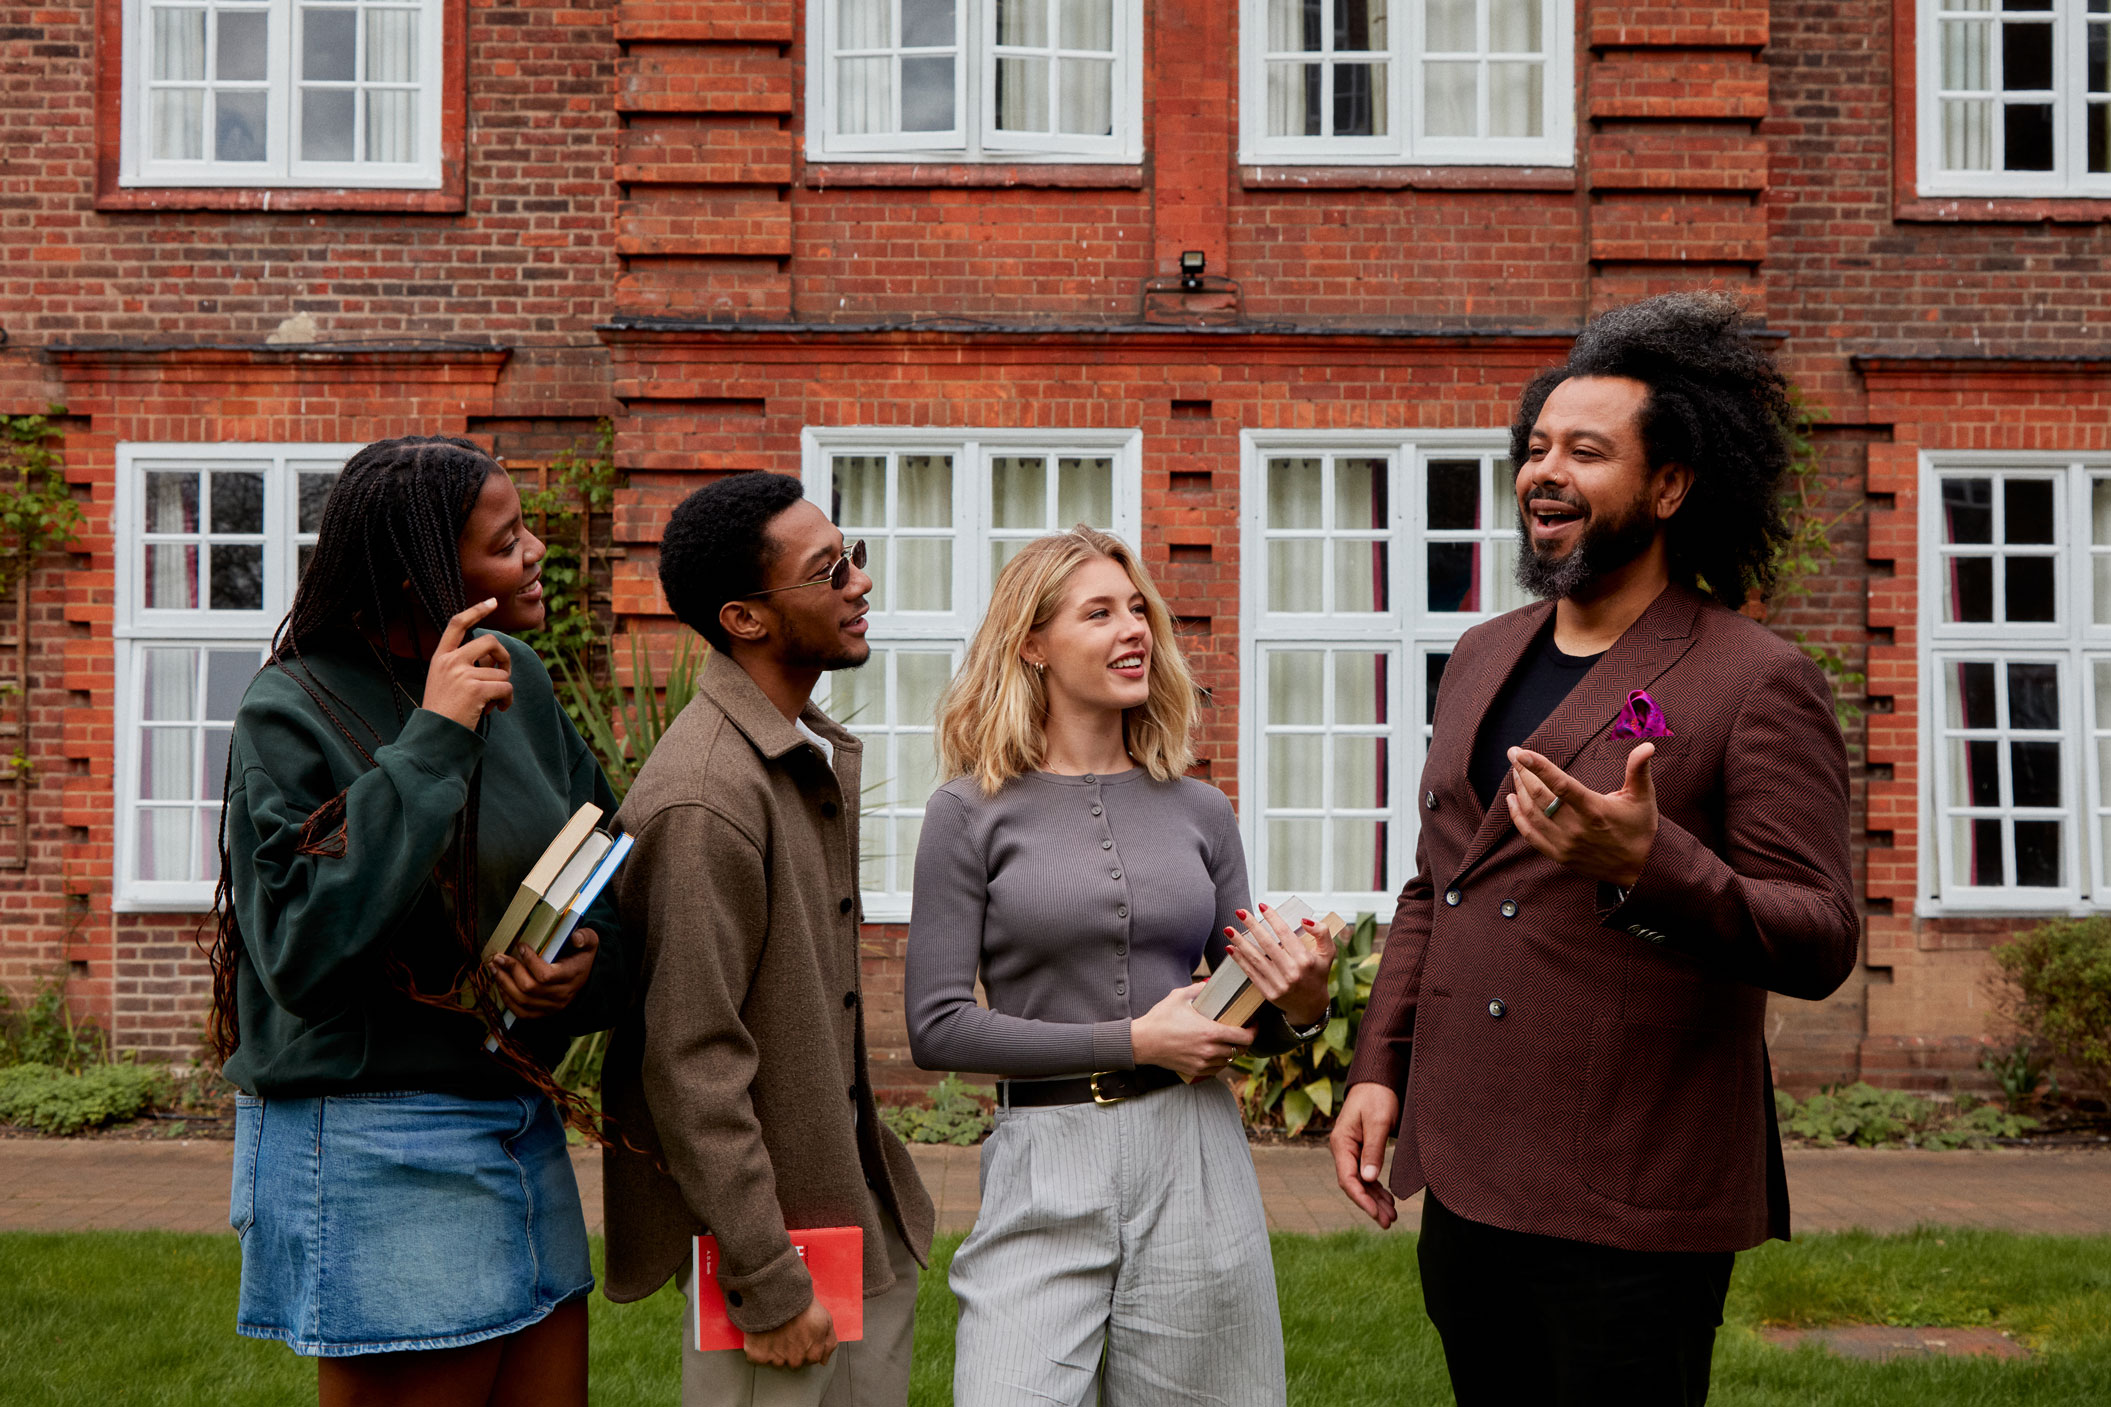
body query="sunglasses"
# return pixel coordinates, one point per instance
(837, 576)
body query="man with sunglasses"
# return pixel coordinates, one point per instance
(738, 1096)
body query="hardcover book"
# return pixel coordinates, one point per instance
(835, 1258)
(1230, 996)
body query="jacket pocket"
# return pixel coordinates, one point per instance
(249, 1135)
(1664, 1112)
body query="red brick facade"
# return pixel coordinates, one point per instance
(632, 229)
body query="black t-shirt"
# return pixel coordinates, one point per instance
(1542, 680)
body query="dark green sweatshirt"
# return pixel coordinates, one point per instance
(320, 912)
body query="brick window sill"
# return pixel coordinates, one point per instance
(962, 175)
(1995, 210)
(1406, 178)
(444, 201)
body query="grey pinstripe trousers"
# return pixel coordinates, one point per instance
(1121, 1252)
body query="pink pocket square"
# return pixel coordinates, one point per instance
(1641, 718)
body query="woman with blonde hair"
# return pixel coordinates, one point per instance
(1073, 864)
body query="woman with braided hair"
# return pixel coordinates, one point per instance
(407, 1211)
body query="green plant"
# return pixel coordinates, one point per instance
(1808, 551)
(579, 483)
(623, 725)
(46, 1033)
(51, 1100)
(1866, 1117)
(2019, 1071)
(2054, 986)
(955, 1113)
(1299, 1088)
(37, 511)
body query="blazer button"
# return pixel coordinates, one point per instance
(828, 810)
(1496, 1008)
(1508, 908)
(844, 906)
(1452, 897)
(1429, 799)
(850, 999)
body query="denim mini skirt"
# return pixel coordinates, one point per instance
(374, 1223)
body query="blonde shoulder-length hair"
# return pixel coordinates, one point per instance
(992, 718)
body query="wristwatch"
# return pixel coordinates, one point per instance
(1311, 1032)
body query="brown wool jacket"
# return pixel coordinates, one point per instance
(741, 1067)
(1577, 1065)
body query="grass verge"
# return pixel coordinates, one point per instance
(144, 1318)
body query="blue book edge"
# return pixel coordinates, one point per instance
(576, 910)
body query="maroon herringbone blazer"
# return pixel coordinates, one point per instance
(1596, 1069)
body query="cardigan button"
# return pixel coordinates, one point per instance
(1106, 845)
(1097, 810)
(1122, 911)
(845, 906)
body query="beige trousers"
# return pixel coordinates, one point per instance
(872, 1372)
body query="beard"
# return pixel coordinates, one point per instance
(820, 645)
(1603, 547)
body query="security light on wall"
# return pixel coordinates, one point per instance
(1191, 264)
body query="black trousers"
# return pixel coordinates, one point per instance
(1549, 1322)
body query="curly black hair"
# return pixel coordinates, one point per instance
(1718, 405)
(717, 548)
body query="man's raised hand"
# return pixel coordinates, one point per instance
(1604, 836)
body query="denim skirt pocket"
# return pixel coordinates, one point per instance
(242, 1192)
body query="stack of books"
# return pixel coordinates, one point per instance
(558, 890)
(1230, 996)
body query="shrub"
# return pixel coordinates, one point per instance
(1299, 1088)
(45, 1033)
(51, 1100)
(954, 1113)
(1879, 1118)
(2055, 986)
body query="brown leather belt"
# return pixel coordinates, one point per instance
(1106, 1087)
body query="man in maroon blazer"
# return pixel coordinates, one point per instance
(1634, 828)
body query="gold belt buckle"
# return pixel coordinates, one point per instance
(1099, 1098)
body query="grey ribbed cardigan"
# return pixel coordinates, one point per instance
(1082, 901)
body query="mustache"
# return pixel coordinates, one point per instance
(1566, 497)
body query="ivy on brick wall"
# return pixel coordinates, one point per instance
(37, 511)
(1808, 551)
(581, 482)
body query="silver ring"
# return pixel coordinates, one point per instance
(1552, 807)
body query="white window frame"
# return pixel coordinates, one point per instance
(951, 630)
(2075, 642)
(1408, 627)
(974, 136)
(282, 167)
(135, 627)
(1406, 143)
(2070, 20)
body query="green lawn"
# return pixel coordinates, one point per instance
(144, 1319)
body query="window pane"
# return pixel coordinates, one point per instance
(178, 121)
(1088, 24)
(1085, 492)
(1968, 510)
(165, 764)
(919, 678)
(916, 767)
(236, 571)
(391, 125)
(1449, 26)
(171, 577)
(1293, 100)
(1972, 696)
(1449, 96)
(172, 503)
(881, 597)
(2034, 696)
(179, 45)
(1515, 100)
(1508, 595)
(1295, 776)
(2026, 137)
(2034, 773)
(1977, 763)
(865, 95)
(169, 684)
(859, 485)
(1295, 687)
(1087, 107)
(1294, 854)
(227, 676)
(859, 696)
(1971, 588)
(1513, 27)
(391, 37)
(928, 24)
(214, 783)
(1432, 676)
(1293, 493)
(1294, 26)
(1979, 851)
(2038, 857)
(927, 94)
(1360, 575)
(2026, 57)
(2027, 510)
(1022, 95)
(1359, 855)
(923, 574)
(329, 41)
(1360, 100)
(1019, 22)
(2098, 63)
(1018, 491)
(1359, 773)
(2098, 122)
(327, 116)
(243, 52)
(1294, 581)
(1359, 687)
(165, 843)
(239, 125)
(924, 491)
(863, 24)
(237, 503)
(1359, 25)
(2029, 584)
(1359, 495)
(1002, 550)
(1966, 65)
(1967, 135)
(1454, 576)
(314, 493)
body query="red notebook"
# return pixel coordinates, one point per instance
(834, 1256)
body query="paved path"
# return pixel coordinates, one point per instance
(181, 1185)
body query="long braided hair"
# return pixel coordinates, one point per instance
(395, 515)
